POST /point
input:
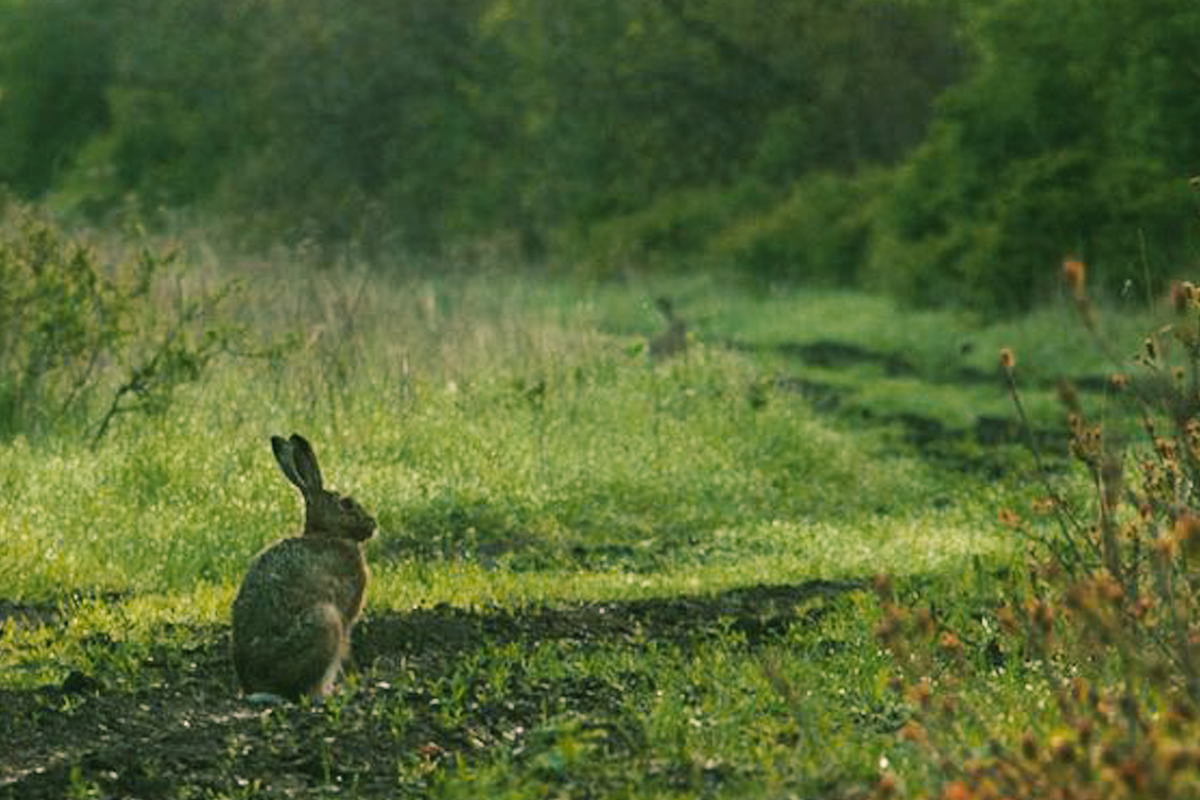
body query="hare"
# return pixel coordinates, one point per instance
(301, 596)
(673, 340)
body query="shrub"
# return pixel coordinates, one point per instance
(56, 64)
(940, 242)
(1075, 130)
(819, 233)
(1106, 624)
(60, 319)
(72, 329)
(675, 227)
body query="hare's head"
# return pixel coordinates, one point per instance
(665, 307)
(326, 513)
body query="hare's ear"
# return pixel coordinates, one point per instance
(285, 456)
(305, 461)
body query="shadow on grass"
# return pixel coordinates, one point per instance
(755, 613)
(162, 721)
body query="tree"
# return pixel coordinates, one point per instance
(1077, 134)
(55, 66)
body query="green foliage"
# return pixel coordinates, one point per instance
(641, 111)
(1060, 143)
(181, 111)
(62, 317)
(177, 355)
(674, 231)
(406, 126)
(818, 234)
(71, 324)
(1104, 619)
(56, 64)
(591, 574)
(425, 390)
(634, 135)
(378, 115)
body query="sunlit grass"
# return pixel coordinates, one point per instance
(521, 454)
(487, 421)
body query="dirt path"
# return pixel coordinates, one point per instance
(180, 730)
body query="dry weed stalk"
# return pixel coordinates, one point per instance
(1107, 618)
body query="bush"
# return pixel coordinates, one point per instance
(1106, 623)
(819, 233)
(56, 63)
(74, 331)
(429, 125)
(59, 319)
(1074, 134)
(938, 241)
(675, 228)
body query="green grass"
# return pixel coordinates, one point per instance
(437, 424)
(523, 458)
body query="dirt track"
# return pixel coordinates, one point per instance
(181, 730)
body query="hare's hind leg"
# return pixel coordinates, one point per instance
(311, 667)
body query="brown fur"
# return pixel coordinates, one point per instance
(301, 596)
(673, 340)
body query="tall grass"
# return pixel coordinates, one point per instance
(524, 460)
(494, 422)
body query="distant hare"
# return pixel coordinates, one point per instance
(673, 340)
(301, 596)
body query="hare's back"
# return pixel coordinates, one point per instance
(303, 571)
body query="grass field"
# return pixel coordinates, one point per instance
(594, 576)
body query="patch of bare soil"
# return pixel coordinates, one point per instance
(179, 729)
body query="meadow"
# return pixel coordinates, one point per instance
(597, 573)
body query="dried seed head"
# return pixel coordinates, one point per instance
(1008, 359)
(1108, 588)
(921, 693)
(1075, 274)
(1009, 518)
(913, 732)
(1187, 533)
(1192, 430)
(1176, 757)
(1183, 294)
(957, 790)
(1144, 607)
(951, 643)
(1043, 505)
(1165, 548)
(1007, 619)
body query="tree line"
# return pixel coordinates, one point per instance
(939, 149)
